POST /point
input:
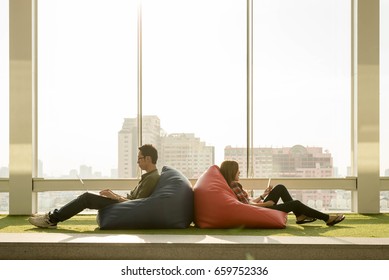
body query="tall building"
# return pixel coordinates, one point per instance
(128, 143)
(186, 153)
(182, 151)
(296, 161)
(86, 171)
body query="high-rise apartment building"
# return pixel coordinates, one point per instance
(128, 143)
(186, 153)
(182, 151)
(296, 161)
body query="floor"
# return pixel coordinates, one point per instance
(190, 247)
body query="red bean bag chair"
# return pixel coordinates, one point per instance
(216, 206)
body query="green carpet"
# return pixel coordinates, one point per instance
(355, 225)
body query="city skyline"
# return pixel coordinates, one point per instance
(192, 156)
(157, 135)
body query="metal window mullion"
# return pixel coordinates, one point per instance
(249, 63)
(354, 69)
(140, 76)
(35, 90)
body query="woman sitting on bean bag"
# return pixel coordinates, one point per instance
(216, 206)
(271, 196)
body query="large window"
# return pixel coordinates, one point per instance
(193, 91)
(384, 87)
(87, 84)
(4, 89)
(302, 87)
(302, 52)
(384, 98)
(194, 80)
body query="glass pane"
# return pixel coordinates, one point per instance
(87, 84)
(302, 88)
(194, 80)
(47, 201)
(384, 87)
(384, 99)
(4, 89)
(384, 201)
(4, 203)
(323, 200)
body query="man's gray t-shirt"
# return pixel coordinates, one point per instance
(145, 186)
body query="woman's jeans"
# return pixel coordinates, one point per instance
(290, 205)
(85, 201)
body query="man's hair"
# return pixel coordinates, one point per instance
(149, 150)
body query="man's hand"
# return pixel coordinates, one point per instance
(108, 193)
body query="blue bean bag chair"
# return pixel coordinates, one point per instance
(169, 206)
(216, 206)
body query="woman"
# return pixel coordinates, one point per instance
(271, 196)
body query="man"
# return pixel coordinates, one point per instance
(147, 161)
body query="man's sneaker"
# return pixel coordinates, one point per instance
(42, 221)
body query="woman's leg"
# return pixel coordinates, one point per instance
(84, 201)
(298, 208)
(279, 191)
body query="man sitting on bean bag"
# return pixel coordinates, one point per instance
(170, 206)
(147, 160)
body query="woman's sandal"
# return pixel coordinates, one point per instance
(337, 220)
(306, 220)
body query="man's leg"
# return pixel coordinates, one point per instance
(84, 201)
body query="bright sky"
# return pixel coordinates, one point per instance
(194, 75)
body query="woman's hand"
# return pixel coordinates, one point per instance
(267, 191)
(263, 204)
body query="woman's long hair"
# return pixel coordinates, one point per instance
(228, 169)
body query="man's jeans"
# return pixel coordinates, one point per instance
(84, 201)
